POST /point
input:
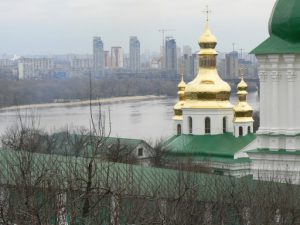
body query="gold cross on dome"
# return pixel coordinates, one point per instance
(207, 11)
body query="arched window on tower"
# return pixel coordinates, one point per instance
(178, 129)
(224, 124)
(249, 130)
(240, 131)
(207, 125)
(190, 120)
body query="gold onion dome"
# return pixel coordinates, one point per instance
(179, 105)
(242, 111)
(182, 84)
(207, 90)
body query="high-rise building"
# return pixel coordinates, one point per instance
(98, 57)
(171, 56)
(194, 64)
(187, 50)
(232, 64)
(117, 57)
(134, 54)
(82, 63)
(107, 59)
(35, 68)
(186, 63)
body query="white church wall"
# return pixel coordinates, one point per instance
(279, 77)
(216, 117)
(279, 106)
(245, 126)
(177, 122)
(279, 168)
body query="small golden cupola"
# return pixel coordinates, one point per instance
(243, 112)
(180, 103)
(207, 90)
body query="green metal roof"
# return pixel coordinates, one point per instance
(80, 145)
(130, 179)
(284, 29)
(133, 179)
(220, 146)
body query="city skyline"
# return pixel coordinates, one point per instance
(55, 27)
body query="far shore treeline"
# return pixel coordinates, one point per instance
(23, 92)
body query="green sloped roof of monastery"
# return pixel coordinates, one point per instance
(208, 146)
(284, 29)
(66, 142)
(267, 151)
(132, 179)
(120, 178)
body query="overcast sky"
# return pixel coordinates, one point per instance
(67, 26)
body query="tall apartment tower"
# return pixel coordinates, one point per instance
(134, 54)
(107, 59)
(232, 65)
(171, 56)
(117, 57)
(98, 57)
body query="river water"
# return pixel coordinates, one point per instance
(148, 120)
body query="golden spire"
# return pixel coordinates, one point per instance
(181, 95)
(242, 111)
(207, 90)
(182, 84)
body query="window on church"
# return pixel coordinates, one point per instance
(140, 152)
(240, 131)
(207, 125)
(249, 130)
(178, 129)
(224, 124)
(190, 125)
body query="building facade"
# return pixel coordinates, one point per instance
(98, 57)
(35, 68)
(276, 152)
(232, 65)
(117, 57)
(170, 56)
(107, 59)
(134, 54)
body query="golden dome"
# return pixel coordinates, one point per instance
(242, 110)
(182, 84)
(207, 90)
(207, 38)
(242, 84)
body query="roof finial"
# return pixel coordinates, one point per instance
(207, 11)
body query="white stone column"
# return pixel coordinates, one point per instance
(262, 80)
(274, 98)
(291, 79)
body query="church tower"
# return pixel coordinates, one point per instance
(279, 71)
(276, 155)
(243, 120)
(207, 109)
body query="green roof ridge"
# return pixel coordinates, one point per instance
(222, 145)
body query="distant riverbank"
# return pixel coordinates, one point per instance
(84, 103)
